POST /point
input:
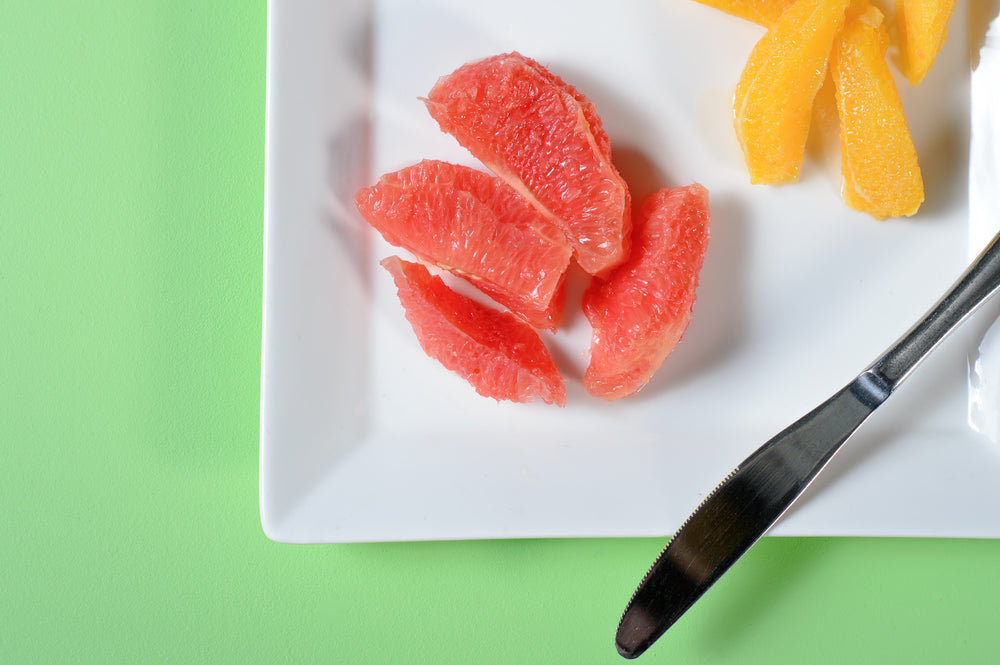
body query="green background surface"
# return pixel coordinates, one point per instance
(131, 214)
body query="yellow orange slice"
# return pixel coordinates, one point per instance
(878, 160)
(761, 12)
(923, 28)
(773, 101)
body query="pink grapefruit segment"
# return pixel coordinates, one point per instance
(546, 140)
(474, 225)
(497, 353)
(640, 312)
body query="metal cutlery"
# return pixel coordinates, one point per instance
(756, 494)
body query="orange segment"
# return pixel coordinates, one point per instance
(773, 101)
(761, 12)
(923, 29)
(878, 160)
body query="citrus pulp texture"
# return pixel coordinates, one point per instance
(761, 12)
(546, 140)
(498, 354)
(922, 26)
(878, 159)
(774, 96)
(640, 312)
(476, 226)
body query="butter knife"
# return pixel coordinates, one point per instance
(755, 495)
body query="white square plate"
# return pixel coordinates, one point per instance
(363, 438)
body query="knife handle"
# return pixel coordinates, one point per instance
(978, 283)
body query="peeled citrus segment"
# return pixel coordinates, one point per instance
(761, 12)
(878, 160)
(773, 101)
(498, 354)
(474, 225)
(546, 140)
(640, 312)
(922, 27)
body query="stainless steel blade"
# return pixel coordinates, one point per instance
(752, 498)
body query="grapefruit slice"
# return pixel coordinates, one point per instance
(640, 312)
(498, 354)
(774, 96)
(546, 140)
(475, 226)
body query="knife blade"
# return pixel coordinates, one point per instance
(755, 495)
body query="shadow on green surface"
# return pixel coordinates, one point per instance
(757, 587)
